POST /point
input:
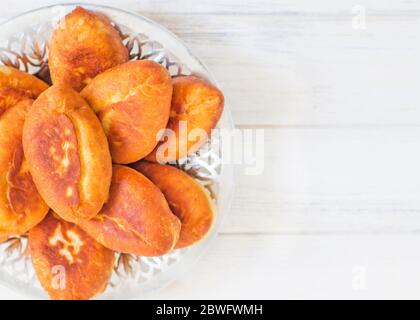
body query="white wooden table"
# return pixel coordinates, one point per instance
(336, 212)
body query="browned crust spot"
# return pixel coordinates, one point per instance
(58, 156)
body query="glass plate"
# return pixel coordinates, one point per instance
(24, 45)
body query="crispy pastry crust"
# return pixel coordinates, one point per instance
(68, 263)
(67, 153)
(17, 85)
(133, 102)
(197, 106)
(187, 199)
(21, 206)
(83, 45)
(136, 219)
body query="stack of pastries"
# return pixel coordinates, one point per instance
(81, 167)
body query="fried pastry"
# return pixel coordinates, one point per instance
(136, 219)
(67, 153)
(133, 102)
(21, 206)
(68, 263)
(17, 85)
(83, 45)
(196, 108)
(188, 200)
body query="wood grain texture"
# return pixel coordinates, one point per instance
(239, 7)
(309, 71)
(329, 180)
(297, 267)
(303, 267)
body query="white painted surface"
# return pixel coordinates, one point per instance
(336, 213)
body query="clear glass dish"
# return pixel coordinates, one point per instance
(23, 44)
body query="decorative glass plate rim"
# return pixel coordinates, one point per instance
(177, 48)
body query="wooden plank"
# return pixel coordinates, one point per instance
(261, 7)
(303, 267)
(328, 180)
(299, 267)
(299, 71)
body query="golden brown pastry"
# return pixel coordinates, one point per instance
(21, 206)
(68, 263)
(83, 45)
(187, 199)
(17, 85)
(133, 102)
(67, 154)
(136, 219)
(196, 108)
